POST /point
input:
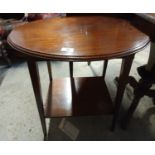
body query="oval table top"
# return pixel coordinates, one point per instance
(78, 38)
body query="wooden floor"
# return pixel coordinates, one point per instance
(78, 96)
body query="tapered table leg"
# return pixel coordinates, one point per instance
(35, 79)
(123, 80)
(71, 68)
(49, 70)
(104, 68)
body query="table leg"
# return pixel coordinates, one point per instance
(35, 79)
(123, 80)
(49, 70)
(71, 68)
(104, 68)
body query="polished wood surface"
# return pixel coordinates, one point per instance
(78, 38)
(78, 97)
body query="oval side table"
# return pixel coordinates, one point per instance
(82, 38)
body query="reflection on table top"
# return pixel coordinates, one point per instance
(78, 38)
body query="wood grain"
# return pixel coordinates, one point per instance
(78, 38)
(78, 97)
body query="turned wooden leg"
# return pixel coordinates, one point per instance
(130, 112)
(123, 79)
(71, 68)
(141, 88)
(35, 79)
(49, 70)
(104, 68)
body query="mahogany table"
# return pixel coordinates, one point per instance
(83, 38)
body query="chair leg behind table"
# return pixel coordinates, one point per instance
(123, 79)
(35, 79)
(142, 88)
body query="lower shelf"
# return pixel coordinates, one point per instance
(78, 97)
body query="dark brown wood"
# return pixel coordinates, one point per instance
(71, 68)
(104, 68)
(141, 88)
(78, 38)
(123, 80)
(35, 79)
(49, 70)
(91, 97)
